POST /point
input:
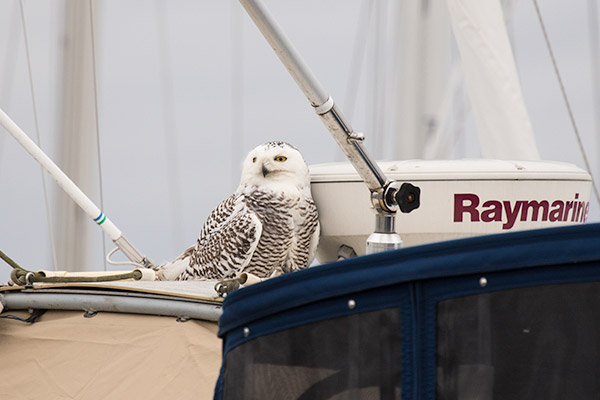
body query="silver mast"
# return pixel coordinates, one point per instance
(324, 106)
(386, 195)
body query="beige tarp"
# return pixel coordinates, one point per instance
(109, 356)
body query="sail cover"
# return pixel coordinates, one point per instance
(64, 355)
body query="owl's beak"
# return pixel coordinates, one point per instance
(265, 171)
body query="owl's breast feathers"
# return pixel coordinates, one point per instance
(259, 231)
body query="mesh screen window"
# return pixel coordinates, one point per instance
(529, 343)
(352, 357)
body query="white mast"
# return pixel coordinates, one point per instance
(423, 64)
(76, 143)
(492, 82)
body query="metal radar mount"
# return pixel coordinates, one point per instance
(387, 196)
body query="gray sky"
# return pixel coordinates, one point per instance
(187, 88)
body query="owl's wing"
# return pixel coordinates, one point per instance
(305, 238)
(227, 241)
(221, 214)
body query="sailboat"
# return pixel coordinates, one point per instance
(401, 323)
(479, 318)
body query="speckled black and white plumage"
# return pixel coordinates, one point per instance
(267, 227)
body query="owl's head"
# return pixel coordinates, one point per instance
(275, 163)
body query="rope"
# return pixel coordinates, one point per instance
(20, 276)
(9, 261)
(39, 142)
(23, 277)
(113, 251)
(93, 37)
(564, 94)
(30, 320)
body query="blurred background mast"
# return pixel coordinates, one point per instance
(77, 146)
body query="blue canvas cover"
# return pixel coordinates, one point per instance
(453, 301)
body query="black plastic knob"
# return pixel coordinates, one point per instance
(408, 197)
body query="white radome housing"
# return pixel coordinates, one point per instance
(459, 198)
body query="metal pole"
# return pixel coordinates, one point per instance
(382, 189)
(73, 191)
(111, 303)
(349, 141)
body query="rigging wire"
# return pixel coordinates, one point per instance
(436, 144)
(508, 10)
(595, 56)
(460, 120)
(95, 85)
(237, 91)
(376, 92)
(170, 124)
(356, 63)
(7, 82)
(37, 131)
(564, 94)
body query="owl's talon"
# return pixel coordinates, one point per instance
(226, 286)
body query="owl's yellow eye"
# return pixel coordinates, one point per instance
(254, 159)
(280, 158)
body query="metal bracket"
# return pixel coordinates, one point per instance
(356, 137)
(325, 107)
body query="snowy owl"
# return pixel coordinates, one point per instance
(268, 226)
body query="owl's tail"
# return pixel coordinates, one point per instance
(171, 270)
